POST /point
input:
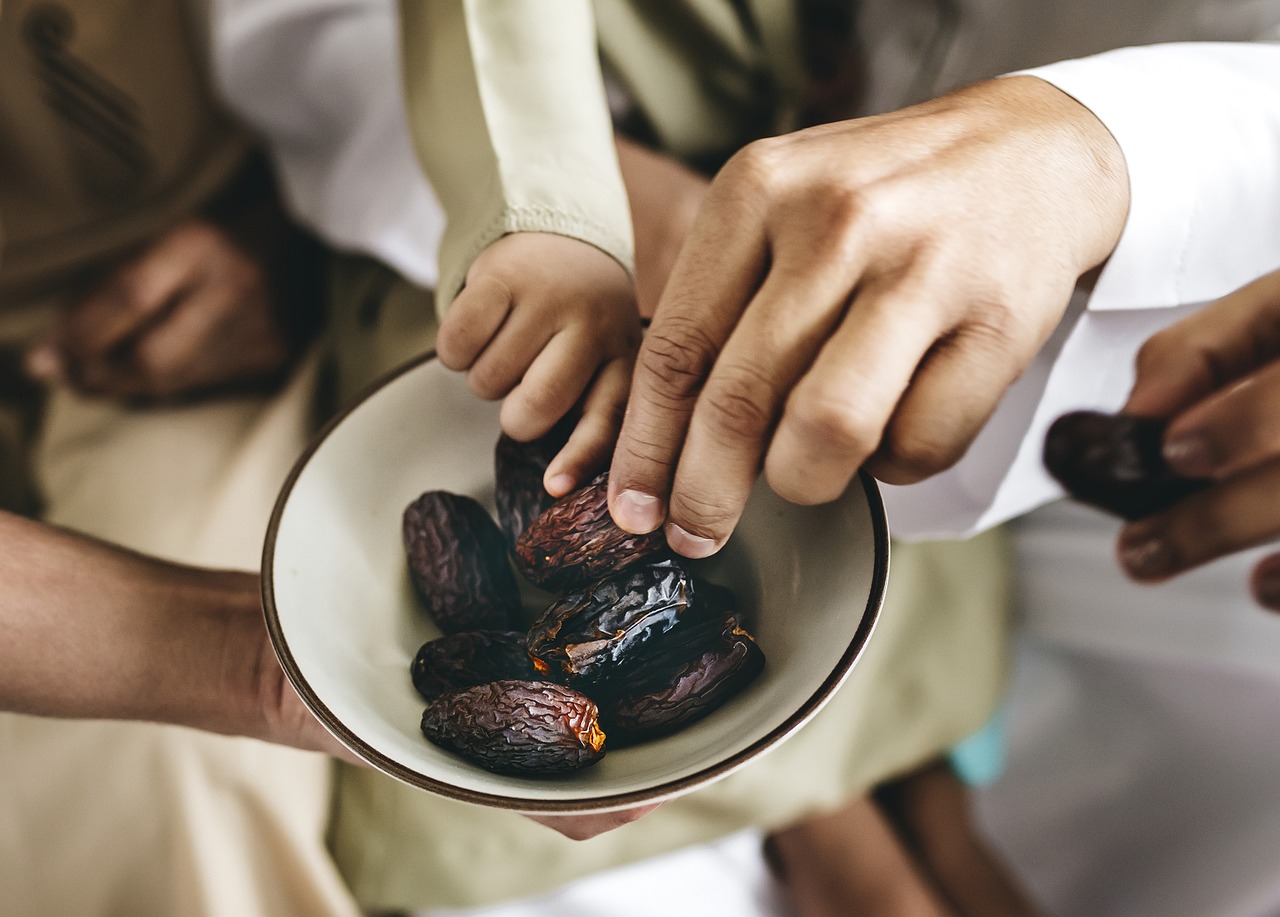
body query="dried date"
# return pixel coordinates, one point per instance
(583, 638)
(1113, 462)
(471, 658)
(518, 471)
(518, 727)
(664, 697)
(458, 562)
(575, 541)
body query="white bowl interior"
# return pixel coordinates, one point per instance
(347, 623)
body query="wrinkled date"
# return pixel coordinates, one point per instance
(458, 561)
(586, 636)
(518, 469)
(1113, 462)
(575, 541)
(471, 658)
(664, 697)
(518, 727)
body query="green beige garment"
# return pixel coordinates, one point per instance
(510, 118)
(932, 674)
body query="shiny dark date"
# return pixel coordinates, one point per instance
(458, 562)
(587, 635)
(470, 658)
(517, 727)
(664, 697)
(1113, 462)
(575, 542)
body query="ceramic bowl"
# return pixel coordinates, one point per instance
(346, 623)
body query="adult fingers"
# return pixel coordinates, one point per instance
(954, 391)
(836, 415)
(474, 318)
(714, 278)
(1234, 514)
(213, 336)
(1230, 430)
(135, 295)
(550, 387)
(1208, 350)
(592, 441)
(779, 334)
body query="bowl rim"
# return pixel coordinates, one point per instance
(578, 805)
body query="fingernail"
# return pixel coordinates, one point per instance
(637, 512)
(1147, 558)
(559, 484)
(44, 363)
(1189, 456)
(692, 546)
(1266, 588)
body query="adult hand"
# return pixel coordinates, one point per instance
(861, 293)
(194, 311)
(1216, 375)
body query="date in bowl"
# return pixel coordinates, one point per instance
(345, 621)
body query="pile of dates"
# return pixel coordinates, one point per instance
(634, 646)
(1113, 462)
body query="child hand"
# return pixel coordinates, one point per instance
(548, 323)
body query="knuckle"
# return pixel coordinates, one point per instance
(487, 382)
(839, 422)
(542, 401)
(701, 515)
(676, 357)
(758, 165)
(737, 403)
(915, 453)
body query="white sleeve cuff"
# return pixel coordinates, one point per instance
(1199, 126)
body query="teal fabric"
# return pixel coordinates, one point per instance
(979, 759)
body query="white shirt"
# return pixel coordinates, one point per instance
(320, 79)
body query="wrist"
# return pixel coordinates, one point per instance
(1090, 161)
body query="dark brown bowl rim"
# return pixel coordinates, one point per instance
(581, 805)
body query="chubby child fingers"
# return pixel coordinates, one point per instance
(473, 320)
(591, 444)
(550, 387)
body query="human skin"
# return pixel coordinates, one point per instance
(547, 323)
(195, 310)
(89, 630)
(1216, 377)
(861, 294)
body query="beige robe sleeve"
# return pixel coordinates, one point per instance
(508, 112)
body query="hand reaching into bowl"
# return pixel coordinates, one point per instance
(861, 292)
(1216, 377)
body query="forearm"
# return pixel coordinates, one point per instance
(90, 630)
